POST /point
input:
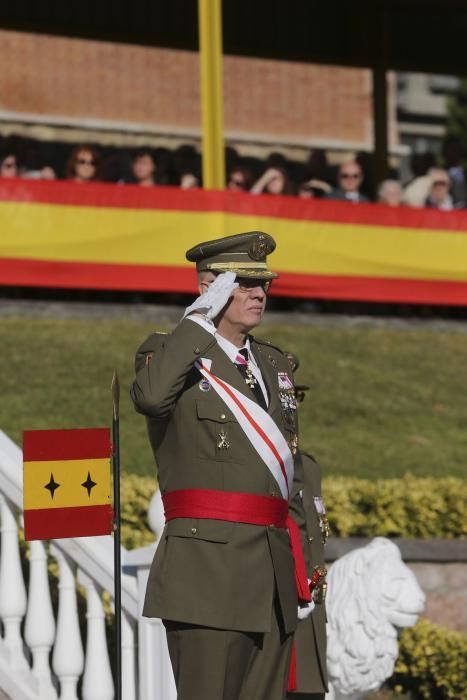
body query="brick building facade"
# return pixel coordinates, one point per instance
(78, 89)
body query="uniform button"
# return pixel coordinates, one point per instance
(194, 530)
(272, 527)
(271, 493)
(196, 351)
(222, 416)
(310, 538)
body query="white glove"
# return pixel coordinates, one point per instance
(215, 298)
(305, 610)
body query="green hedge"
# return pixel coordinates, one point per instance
(432, 663)
(407, 507)
(136, 492)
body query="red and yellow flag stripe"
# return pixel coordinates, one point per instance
(106, 236)
(66, 484)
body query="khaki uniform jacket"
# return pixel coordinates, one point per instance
(310, 637)
(207, 572)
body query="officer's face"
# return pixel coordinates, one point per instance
(246, 306)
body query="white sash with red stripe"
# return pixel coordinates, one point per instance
(259, 428)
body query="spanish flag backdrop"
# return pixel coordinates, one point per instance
(66, 483)
(126, 237)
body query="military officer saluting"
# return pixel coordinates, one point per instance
(229, 571)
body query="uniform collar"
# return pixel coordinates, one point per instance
(231, 350)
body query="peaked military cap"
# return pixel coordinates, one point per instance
(243, 253)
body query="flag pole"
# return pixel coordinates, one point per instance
(115, 386)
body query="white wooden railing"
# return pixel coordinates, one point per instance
(28, 669)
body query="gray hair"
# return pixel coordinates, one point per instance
(383, 186)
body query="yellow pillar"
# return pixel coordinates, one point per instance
(212, 97)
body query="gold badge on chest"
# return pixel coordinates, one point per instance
(223, 440)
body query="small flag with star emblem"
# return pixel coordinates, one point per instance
(66, 483)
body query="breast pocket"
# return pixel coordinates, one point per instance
(219, 434)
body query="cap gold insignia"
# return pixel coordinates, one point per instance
(257, 250)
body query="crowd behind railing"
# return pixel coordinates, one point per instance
(437, 181)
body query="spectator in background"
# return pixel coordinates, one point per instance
(143, 168)
(186, 163)
(82, 164)
(438, 193)
(317, 167)
(240, 179)
(46, 172)
(349, 179)
(273, 181)
(416, 190)
(189, 181)
(314, 189)
(8, 165)
(453, 157)
(390, 193)
(420, 164)
(36, 161)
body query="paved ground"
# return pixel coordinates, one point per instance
(171, 314)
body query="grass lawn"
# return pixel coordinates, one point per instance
(382, 402)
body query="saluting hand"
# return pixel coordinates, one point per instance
(215, 298)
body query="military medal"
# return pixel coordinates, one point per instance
(318, 585)
(204, 385)
(250, 379)
(287, 400)
(323, 517)
(284, 381)
(293, 444)
(286, 396)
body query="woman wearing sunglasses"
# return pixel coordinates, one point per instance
(82, 164)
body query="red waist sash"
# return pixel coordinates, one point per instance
(246, 508)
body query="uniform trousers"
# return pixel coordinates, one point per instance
(216, 664)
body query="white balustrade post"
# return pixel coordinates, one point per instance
(97, 678)
(68, 656)
(156, 680)
(128, 657)
(12, 588)
(40, 623)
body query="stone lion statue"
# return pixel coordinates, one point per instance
(371, 593)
